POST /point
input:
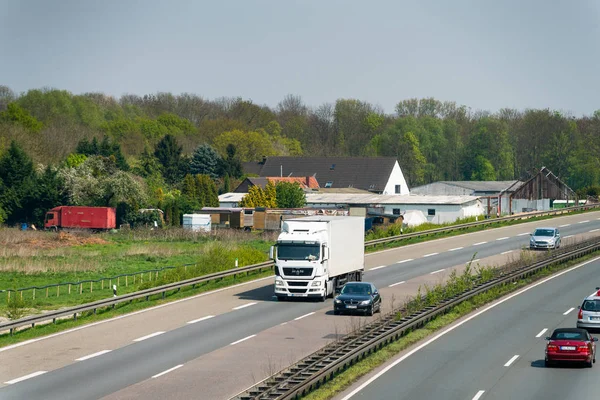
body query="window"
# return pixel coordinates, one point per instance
(329, 184)
(397, 189)
(396, 211)
(431, 211)
(591, 305)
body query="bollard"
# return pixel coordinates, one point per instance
(21, 295)
(75, 317)
(69, 288)
(102, 284)
(91, 286)
(34, 293)
(114, 290)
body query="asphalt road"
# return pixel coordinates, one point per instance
(247, 313)
(498, 354)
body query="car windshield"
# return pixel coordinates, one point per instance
(568, 336)
(297, 251)
(591, 305)
(355, 288)
(543, 232)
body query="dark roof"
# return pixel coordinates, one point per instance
(368, 173)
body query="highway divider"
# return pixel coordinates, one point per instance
(316, 369)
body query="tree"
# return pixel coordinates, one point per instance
(411, 160)
(106, 148)
(168, 154)
(231, 164)
(205, 160)
(255, 198)
(226, 184)
(15, 166)
(18, 115)
(290, 195)
(47, 193)
(483, 170)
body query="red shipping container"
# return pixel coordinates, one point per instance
(81, 217)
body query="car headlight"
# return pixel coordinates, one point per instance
(316, 283)
(338, 301)
(365, 303)
(278, 282)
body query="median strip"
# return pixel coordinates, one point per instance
(93, 355)
(33, 375)
(148, 336)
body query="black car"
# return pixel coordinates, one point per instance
(357, 297)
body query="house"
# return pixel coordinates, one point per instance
(437, 209)
(380, 175)
(538, 193)
(307, 182)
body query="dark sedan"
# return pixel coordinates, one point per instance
(358, 297)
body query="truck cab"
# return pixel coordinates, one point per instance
(52, 220)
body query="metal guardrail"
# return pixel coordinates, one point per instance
(53, 315)
(490, 221)
(321, 366)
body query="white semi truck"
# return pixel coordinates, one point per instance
(315, 255)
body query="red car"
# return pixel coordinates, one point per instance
(571, 344)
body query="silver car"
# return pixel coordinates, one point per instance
(545, 238)
(589, 312)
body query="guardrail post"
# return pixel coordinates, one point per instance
(163, 295)
(33, 324)
(91, 286)
(125, 280)
(11, 331)
(54, 320)
(118, 281)
(33, 293)
(75, 317)
(80, 288)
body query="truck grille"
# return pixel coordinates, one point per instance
(297, 290)
(297, 271)
(297, 283)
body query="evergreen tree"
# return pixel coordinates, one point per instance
(205, 160)
(290, 195)
(168, 153)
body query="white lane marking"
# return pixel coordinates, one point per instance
(523, 234)
(502, 238)
(474, 261)
(381, 266)
(304, 316)
(477, 244)
(478, 395)
(148, 336)
(404, 261)
(145, 310)
(201, 319)
(93, 355)
(435, 272)
(506, 252)
(461, 323)
(167, 371)
(25, 377)
(562, 226)
(542, 332)
(568, 236)
(397, 283)
(241, 340)
(431, 254)
(569, 310)
(244, 306)
(594, 230)
(512, 360)
(456, 248)
(283, 323)
(583, 222)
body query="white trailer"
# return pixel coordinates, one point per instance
(315, 255)
(197, 222)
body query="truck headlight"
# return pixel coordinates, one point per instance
(365, 303)
(278, 282)
(316, 283)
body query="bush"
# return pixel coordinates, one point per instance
(15, 307)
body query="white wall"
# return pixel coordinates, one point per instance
(443, 212)
(441, 189)
(396, 178)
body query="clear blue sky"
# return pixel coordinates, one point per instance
(486, 54)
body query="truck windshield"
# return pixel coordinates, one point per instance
(297, 251)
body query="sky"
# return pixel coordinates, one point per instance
(485, 54)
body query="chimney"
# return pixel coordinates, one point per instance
(308, 181)
(264, 160)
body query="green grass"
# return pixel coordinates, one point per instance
(124, 308)
(349, 376)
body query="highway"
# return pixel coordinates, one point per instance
(223, 342)
(498, 354)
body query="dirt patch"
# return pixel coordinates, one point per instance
(12, 238)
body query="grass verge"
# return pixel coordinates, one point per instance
(345, 379)
(124, 308)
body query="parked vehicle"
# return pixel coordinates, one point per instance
(358, 297)
(98, 218)
(571, 344)
(197, 222)
(545, 238)
(316, 255)
(589, 312)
